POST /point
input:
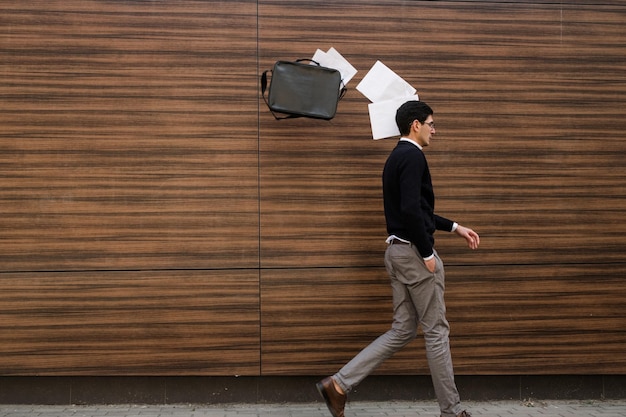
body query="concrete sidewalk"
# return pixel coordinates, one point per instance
(549, 408)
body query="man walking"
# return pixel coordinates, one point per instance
(414, 267)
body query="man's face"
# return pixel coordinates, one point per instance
(426, 131)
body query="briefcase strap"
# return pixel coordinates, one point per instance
(291, 116)
(263, 89)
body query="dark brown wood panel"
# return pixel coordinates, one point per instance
(313, 320)
(529, 144)
(126, 139)
(556, 319)
(538, 167)
(130, 323)
(531, 320)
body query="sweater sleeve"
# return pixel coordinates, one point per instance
(443, 224)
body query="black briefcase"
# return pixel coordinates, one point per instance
(297, 89)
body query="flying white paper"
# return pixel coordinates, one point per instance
(333, 59)
(387, 91)
(383, 116)
(381, 83)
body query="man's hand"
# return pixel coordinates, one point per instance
(472, 238)
(431, 264)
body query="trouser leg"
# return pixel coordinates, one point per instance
(418, 296)
(403, 330)
(430, 304)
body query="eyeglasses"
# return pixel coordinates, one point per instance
(430, 124)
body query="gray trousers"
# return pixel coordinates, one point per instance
(417, 300)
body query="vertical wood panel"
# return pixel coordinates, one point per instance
(130, 323)
(124, 147)
(124, 141)
(566, 319)
(529, 142)
(528, 151)
(531, 320)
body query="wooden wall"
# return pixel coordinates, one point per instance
(157, 220)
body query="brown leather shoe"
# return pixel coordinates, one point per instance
(335, 400)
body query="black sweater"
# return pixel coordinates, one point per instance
(409, 199)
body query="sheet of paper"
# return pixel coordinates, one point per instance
(333, 59)
(381, 83)
(343, 65)
(383, 116)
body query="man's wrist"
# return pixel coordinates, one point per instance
(454, 226)
(428, 258)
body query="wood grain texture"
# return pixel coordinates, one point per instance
(130, 323)
(124, 142)
(532, 320)
(564, 319)
(157, 220)
(528, 100)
